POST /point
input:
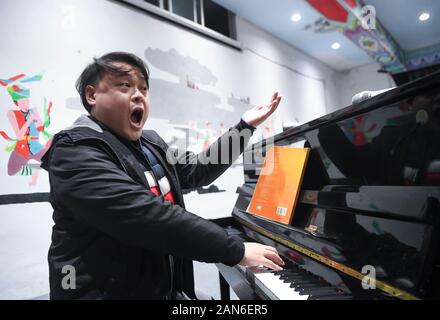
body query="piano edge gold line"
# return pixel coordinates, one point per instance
(401, 294)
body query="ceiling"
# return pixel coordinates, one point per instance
(404, 24)
(399, 17)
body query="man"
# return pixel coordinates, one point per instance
(120, 223)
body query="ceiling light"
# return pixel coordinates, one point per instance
(295, 17)
(336, 46)
(424, 16)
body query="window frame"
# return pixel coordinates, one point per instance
(192, 25)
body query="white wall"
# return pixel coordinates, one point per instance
(59, 37)
(363, 78)
(307, 84)
(67, 36)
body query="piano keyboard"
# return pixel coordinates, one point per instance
(293, 283)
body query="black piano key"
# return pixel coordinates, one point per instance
(300, 275)
(315, 291)
(288, 263)
(286, 275)
(288, 272)
(318, 289)
(299, 279)
(286, 268)
(297, 271)
(306, 284)
(331, 297)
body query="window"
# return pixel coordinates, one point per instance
(184, 8)
(206, 13)
(218, 18)
(199, 9)
(203, 16)
(153, 2)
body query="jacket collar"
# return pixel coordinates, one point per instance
(88, 121)
(149, 136)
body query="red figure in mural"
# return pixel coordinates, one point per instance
(28, 126)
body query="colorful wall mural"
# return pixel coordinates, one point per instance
(28, 136)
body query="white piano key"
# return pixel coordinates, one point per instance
(278, 287)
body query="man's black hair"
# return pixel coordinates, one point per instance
(94, 72)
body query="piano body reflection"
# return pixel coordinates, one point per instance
(367, 222)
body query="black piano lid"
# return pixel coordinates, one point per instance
(371, 185)
(390, 139)
(403, 92)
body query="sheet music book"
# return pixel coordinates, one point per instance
(279, 184)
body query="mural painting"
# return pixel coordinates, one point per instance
(30, 138)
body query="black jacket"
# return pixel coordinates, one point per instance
(115, 233)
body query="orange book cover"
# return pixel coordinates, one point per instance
(279, 184)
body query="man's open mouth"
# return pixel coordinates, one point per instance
(136, 116)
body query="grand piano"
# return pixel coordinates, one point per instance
(366, 224)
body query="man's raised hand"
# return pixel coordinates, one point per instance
(261, 112)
